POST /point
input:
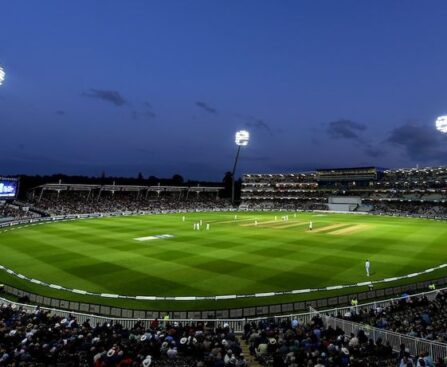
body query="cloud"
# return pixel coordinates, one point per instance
(374, 152)
(259, 124)
(206, 107)
(146, 114)
(111, 96)
(252, 122)
(345, 129)
(420, 142)
(149, 114)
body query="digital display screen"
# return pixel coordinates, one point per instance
(8, 188)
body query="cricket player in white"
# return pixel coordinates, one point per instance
(367, 266)
(310, 225)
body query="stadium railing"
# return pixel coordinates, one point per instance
(286, 310)
(415, 346)
(235, 323)
(305, 317)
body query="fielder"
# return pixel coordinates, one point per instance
(310, 225)
(367, 266)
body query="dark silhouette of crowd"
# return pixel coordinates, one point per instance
(291, 343)
(9, 211)
(415, 316)
(39, 338)
(81, 203)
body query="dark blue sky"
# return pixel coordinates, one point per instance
(161, 86)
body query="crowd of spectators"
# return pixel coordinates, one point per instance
(292, 343)
(418, 191)
(300, 205)
(426, 209)
(10, 211)
(414, 316)
(39, 338)
(81, 203)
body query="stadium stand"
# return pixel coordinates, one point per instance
(15, 211)
(62, 199)
(417, 191)
(39, 337)
(292, 344)
(415, 316)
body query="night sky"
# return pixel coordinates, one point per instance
(161, 86)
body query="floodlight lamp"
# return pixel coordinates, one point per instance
(2, 75)
(441, 124)
(242, 137)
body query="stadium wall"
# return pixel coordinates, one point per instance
(224, 313)
(344, 203)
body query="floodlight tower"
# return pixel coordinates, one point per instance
(241, 139)
(441, 124)
(2, 75)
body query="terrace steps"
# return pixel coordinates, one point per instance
(252, 362)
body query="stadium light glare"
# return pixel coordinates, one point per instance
(441, 124)
(2, 75)
(241, 138)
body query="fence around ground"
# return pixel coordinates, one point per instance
(415, 346)
(289, 308)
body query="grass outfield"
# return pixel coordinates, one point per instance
(233, 257)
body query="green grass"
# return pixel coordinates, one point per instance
(234, 257)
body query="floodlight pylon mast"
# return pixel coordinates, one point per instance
(241, 139)
(233, 173)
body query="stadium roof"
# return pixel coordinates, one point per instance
(127, 188)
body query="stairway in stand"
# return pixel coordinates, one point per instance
(249, 358)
